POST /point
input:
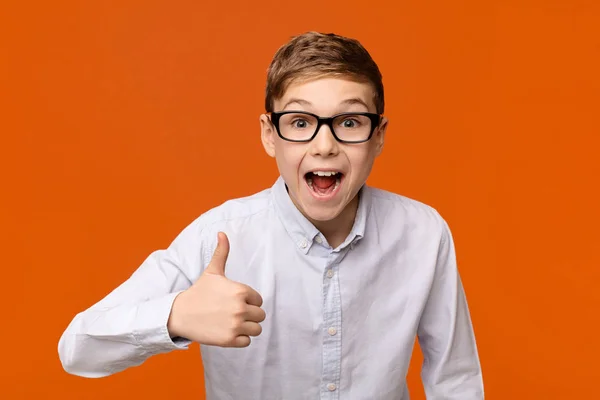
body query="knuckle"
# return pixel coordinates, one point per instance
(241, 290)
(239, 310)
(234, 322)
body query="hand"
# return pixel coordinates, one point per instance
(215, 310)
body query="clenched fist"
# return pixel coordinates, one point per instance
(215, 310)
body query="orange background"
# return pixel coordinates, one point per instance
(120, 123)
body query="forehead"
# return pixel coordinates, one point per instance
(328, 94)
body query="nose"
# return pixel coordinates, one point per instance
(324, 144)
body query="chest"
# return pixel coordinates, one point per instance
(361, 284)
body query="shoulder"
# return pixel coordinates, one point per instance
(236, 212)
(237, 209)
(242, 214)
(392, 209)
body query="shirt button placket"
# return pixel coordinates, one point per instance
(331, 333)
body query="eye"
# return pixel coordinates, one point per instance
(350, 123)
(299, 123)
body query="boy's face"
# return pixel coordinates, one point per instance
(298, 162)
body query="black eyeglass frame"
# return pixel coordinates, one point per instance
(375, 120)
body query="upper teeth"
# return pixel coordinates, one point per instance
(324, 173)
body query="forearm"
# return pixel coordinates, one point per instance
(103, 341)
(451, 369)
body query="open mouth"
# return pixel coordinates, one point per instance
(323, 183)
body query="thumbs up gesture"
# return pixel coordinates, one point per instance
(215, 310)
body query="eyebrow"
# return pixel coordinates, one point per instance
(355, 100)
(298, 101)
(351, 101)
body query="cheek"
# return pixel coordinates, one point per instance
(289, 157)
(361, 160)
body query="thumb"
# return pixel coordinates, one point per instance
(217, 263)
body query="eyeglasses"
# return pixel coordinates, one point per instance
(300, 126)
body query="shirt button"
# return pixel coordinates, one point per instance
(330, 273)
(331, 387)
(304, 243)
(332, 331)
(319, 240)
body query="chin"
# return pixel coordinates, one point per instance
(319, 214)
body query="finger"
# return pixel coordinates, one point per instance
(217, 263)
(241, 341)
(250, 329)
(253, 297)
(255, 314)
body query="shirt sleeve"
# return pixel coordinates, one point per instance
(451, 368)
(129, 325)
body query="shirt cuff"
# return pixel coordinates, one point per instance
(151, 331)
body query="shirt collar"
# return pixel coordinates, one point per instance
(302, 231)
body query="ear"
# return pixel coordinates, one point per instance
(379, 136)
(267, 134)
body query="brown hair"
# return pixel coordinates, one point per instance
(315, 54)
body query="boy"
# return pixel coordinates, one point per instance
(314, 288)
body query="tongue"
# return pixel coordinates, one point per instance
(323, 182)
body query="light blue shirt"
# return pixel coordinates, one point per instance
(341, 323)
